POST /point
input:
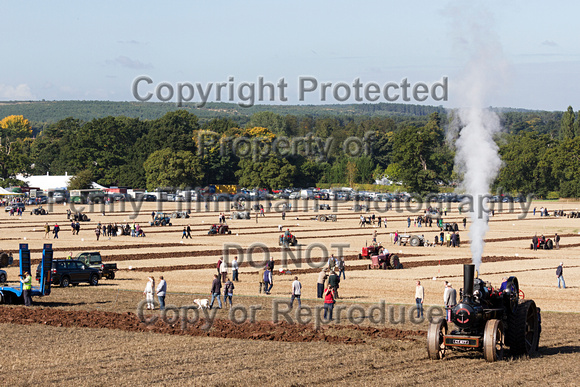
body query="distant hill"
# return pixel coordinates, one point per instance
(53, 111)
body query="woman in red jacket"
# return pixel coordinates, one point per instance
(328, 302)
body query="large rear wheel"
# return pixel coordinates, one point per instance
(493, 340)
(435, 339)
(394, 260)
(523, 329)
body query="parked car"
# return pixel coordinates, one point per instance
(93, 259)
(65, 272)
(148, 198)
(15, 206)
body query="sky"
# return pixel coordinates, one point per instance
(96, 50)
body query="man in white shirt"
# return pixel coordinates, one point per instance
(224, 270)
(161, 291)
(419, 298)
(296, 292)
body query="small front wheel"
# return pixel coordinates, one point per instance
(94, 280)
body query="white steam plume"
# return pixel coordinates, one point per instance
(477, 157)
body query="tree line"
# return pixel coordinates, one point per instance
(539, 149)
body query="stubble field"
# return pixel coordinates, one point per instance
(95, 328)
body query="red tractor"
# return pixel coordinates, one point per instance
(287, 240)
(222, 229)
(380, 257)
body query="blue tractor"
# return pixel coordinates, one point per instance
(12, 295)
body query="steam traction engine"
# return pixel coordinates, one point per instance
(487, 320)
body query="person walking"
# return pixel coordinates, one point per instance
(161, 291)
(267, 280)
(26, 281)
(320, 283)
(535, 242)
(419, 298)
(271, 264)
(408, 222)
(219, 265)
(557, 240)
(328, 302)
(341, 268)
(224, 270)
(148, 292)
(98, 232)
(188, 229)
(216, 288)
(183, 234)
(296, 292)
(262, 284)
(235, 267)
(228, 291)
(560, 275)
(46, 230)
(379, 222)
(55, 230)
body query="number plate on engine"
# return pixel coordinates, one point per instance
(462, 341)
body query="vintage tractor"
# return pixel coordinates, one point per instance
(39, 211)
(449, 227)
(413, 240)
(161, 219)
(380, 259)
(287, 240)
(80, 217)
(543, 244)
(325, 218)
(222, 229)
(486, 320)
(240, 215)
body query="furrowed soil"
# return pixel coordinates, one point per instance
(99, 329)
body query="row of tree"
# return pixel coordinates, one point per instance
(176, 150)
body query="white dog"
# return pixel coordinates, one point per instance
(201, 304)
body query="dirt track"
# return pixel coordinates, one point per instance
(223, 328)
